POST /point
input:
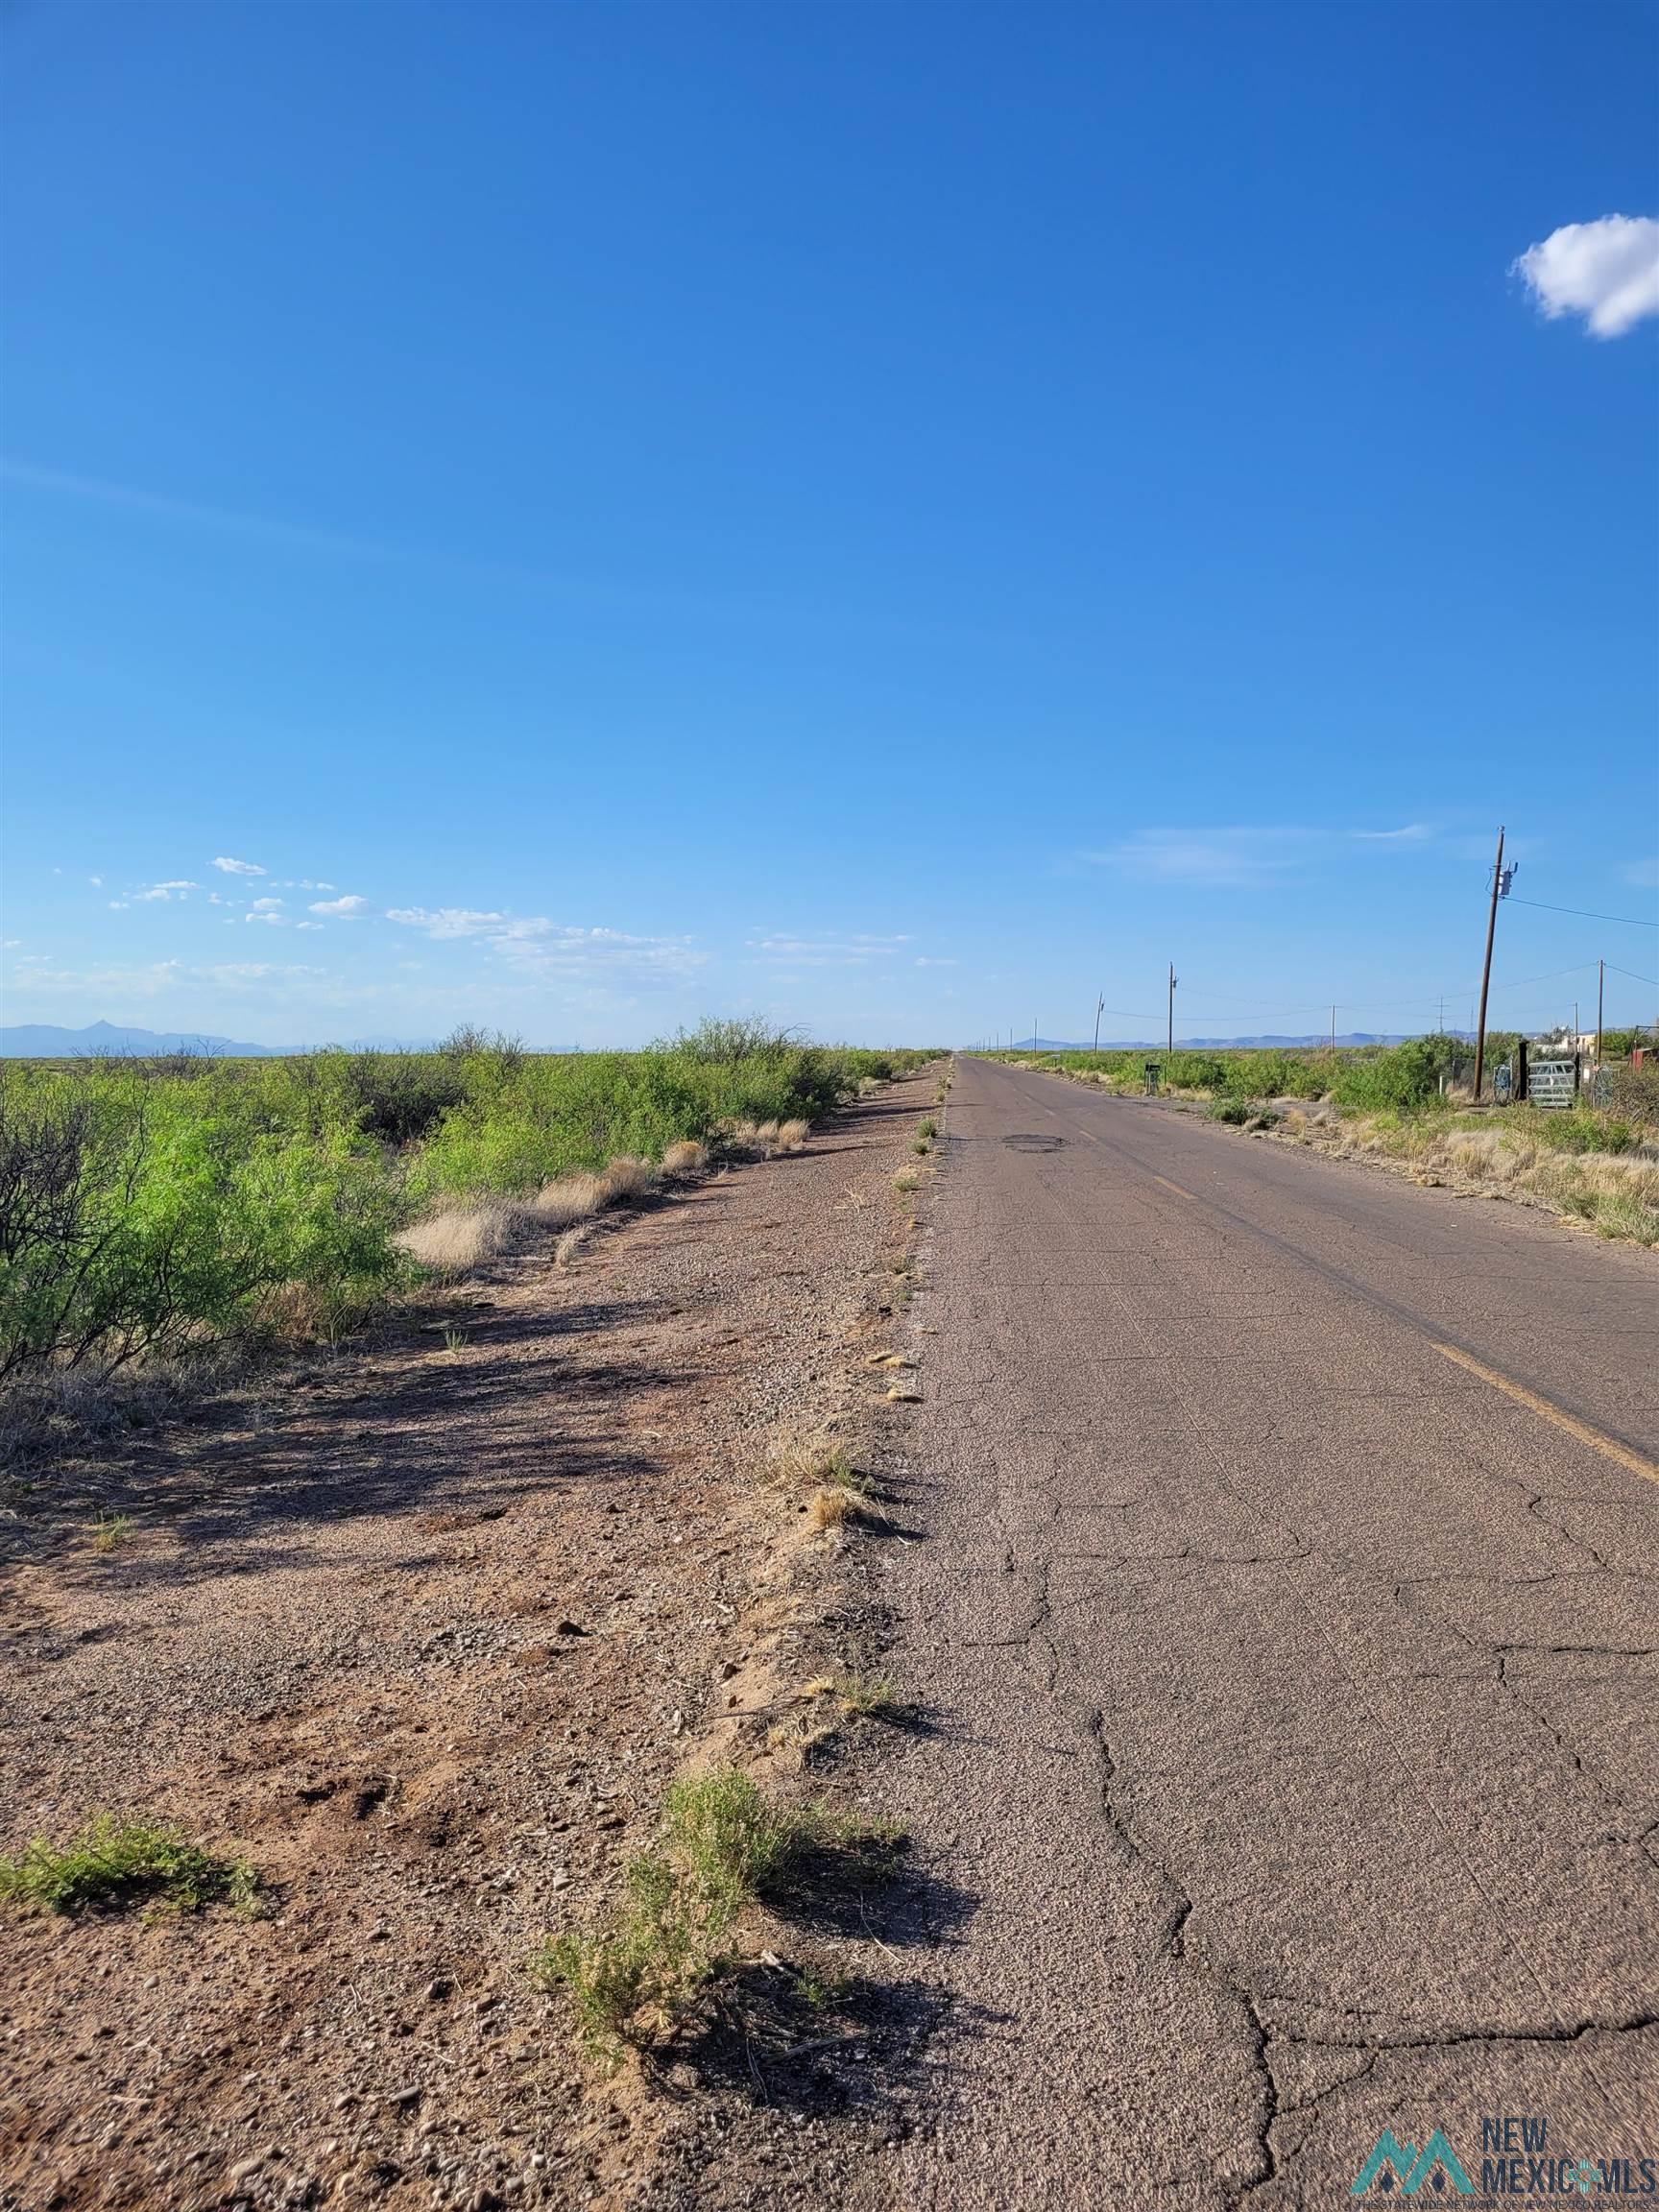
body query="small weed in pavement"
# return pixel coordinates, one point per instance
(115, 1863)
(869, 1696)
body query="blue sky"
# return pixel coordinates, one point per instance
(906, 518)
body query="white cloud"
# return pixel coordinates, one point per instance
(350, 908)
(254, 972)
(537, 947)
(42, 978)
(831, 949)
(97, 882)
(1239, 857)
(267, 906)
(1606, 271)
(923, 961)
(445, 921)
(1212, 856)
(238, 867)
(178, 888)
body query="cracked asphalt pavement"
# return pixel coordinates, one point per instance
(1292, 1743)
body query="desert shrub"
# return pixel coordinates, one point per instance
(1633, 1093)
(135, 1215)
(1404, 1077)
(399, 1097)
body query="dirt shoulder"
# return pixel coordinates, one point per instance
(424, 1634)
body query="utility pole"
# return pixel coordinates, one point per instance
(1099, 1009)
(1172, 980)
(1600, 989)
(1500, 887)
(1333, 1028)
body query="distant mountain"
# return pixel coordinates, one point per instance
(1350, 1039)
(104, 1040)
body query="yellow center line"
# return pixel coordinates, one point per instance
(1166, 1183)
(1608, 1446)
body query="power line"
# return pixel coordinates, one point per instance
(1583, 913)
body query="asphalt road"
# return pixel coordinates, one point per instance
(1292, 1766)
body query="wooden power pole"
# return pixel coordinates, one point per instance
(1600, 993)
(1486, 971)
(1171, 1039)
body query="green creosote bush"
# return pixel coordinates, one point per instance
(139, 1214)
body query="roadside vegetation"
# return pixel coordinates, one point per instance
(152, 1208)
(723, 1848)
(1400, 1104)
(113, 1864)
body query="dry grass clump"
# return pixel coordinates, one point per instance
(851, 1497)
(684, 1156)
(627, 1177)
(110, 1529)
(795, 1456)
(572, 1198)
(1615, 1192)
(792, 1135)
(68, 1410)
(749, 1136)
(461, 1238)
(869, 1696)
(570, 1243)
